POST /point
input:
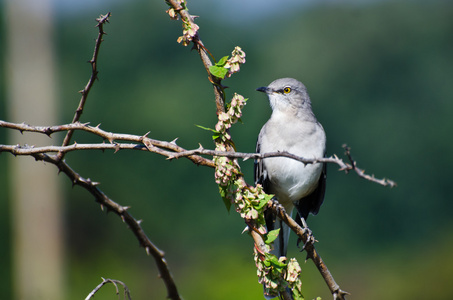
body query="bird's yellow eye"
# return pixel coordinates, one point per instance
(287, 90)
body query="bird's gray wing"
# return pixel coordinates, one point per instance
(260, 172)
(261, 178)
(280, 245)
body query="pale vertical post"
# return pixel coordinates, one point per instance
(36, 199)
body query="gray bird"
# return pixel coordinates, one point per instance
(292, 127)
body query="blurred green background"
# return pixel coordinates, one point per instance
(380, 78)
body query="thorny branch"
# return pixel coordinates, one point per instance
(122, 212)
(152, 145)
(309, 247)
(169, 149)
(352, 165)
(202, 51)
(115, 283)
(94, 75)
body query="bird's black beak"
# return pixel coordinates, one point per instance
(263, 89)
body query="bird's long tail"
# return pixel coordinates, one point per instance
(280, 244)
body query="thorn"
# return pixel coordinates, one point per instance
(147, 250)
(102, 207)
(174, 141)
(139, 222)
(200, 148)
(246, 229)
(117, 147)
(48, 132)
(146, 135)
(97, 126)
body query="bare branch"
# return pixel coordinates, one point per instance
(115, 283)
(94, 73)
(304, 235)
(168, 149)
(204, 54)
(121, 211)
(160, 147)
(333, 159)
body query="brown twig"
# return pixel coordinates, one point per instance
(312, 254)
(94, 75)
(115, 283)
(168, 149)
(346, 167)
(121, 211)
(204, 55)
(160, 147)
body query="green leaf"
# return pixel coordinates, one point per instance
(206, 128)
(226, 201)
(271, 236)
(216, 133)
(222, 61)
(217, 71)
(263, 201)
(272, 259)
(298, 296)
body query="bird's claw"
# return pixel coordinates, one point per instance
(309, 241)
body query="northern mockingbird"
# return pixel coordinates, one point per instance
(292, 127)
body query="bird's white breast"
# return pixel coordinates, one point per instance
(291, 180)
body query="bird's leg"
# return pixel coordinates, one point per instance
(310, 238)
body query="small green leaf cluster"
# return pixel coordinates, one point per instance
(249, 201)
(226, 67)
(219, 70)
(275, 274)
(227, 171)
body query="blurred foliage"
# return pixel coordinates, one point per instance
(379, 77)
